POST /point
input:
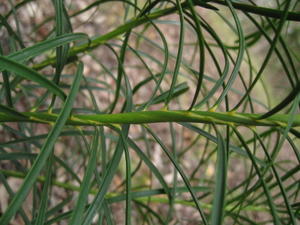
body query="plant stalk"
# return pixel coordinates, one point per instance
(160, 116)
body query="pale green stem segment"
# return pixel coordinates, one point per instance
(225, 118)
(142, 196)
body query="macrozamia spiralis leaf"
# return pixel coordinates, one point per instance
(187, 112)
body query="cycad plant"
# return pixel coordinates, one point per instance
(150, 112)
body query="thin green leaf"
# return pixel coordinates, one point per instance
(240, 55)
(263, 11)
(286, 101)
(220, 182)
(271, 203)
(9, 110)
(43, 46)
(107, 179)
(279, 181)
(269, 53)
(45, 152)
(179, 52)
(41, 214)
(151, 166)
(27, 73)
(78, 211)
(11, 194)
(182, 174)
(128, 181)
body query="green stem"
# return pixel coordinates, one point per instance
(142, 195)
(100, 40)
(144, 117)
(262, 11)
(272, 13)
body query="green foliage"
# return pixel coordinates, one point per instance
(171, 112)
